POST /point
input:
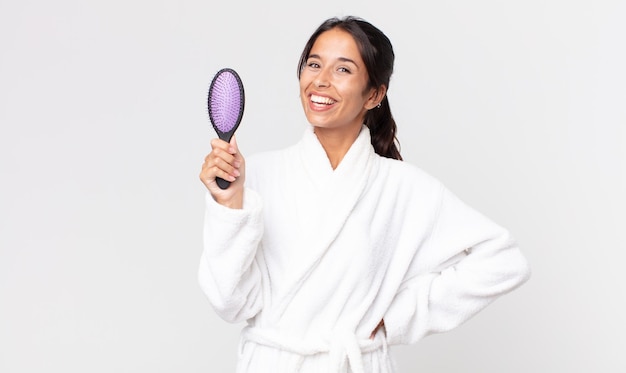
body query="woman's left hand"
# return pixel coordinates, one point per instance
(381, 325)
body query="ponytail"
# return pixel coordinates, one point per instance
(383, 129)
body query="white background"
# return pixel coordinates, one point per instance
(518, 107)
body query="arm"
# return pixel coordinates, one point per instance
(466, 264)
(229, 272)
(227, 162)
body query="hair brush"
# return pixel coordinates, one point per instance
(226, 102)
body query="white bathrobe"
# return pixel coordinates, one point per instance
(317, 257)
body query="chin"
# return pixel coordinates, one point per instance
(321, 124)
(316, 121)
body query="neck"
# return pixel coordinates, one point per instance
(336, 142)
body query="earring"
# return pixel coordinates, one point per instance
(378, 106)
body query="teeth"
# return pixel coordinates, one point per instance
(322, 100)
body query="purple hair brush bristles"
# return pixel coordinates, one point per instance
(226, 102)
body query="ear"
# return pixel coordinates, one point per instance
(376, 96)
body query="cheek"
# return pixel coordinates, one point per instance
(305, 79)
(303, 96)
(353, 93)
(302, 85)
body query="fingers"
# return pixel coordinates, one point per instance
(381, 325)
(237, 155)
(224, 161)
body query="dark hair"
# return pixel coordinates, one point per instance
(377, 54)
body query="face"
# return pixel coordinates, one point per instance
(334, 83)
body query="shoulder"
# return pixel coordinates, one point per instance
(413, 192)
(407, 175)
(264, 158)
(266, 165)
(267, 159)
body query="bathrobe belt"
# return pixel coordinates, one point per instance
(342, 347)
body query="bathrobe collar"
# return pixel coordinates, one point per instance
(336, 191)
(330, 197)
(351, 171)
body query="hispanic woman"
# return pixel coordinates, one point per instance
(333, 249)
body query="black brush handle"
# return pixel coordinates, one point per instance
(223, 184)
(226, 136)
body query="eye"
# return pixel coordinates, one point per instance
(313, 65)
(344, 70)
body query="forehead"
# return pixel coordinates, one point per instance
(336, 43)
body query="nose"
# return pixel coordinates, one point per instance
(322, 80)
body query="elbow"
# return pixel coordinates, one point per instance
(231, 308)
(231, 312)
(514, 267)
(522, 271)
(509, 270)
(232, 304)
(517, 269)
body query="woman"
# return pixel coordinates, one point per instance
(333, 249)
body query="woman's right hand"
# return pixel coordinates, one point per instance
(224, 161)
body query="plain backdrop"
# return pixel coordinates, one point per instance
(518, 107)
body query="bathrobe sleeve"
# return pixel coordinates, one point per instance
(229, 273)
(467, 262)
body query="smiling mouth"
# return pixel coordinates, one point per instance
(320, 100)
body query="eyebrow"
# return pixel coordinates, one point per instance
(342, 59)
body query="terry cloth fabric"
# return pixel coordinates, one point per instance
(317, 257)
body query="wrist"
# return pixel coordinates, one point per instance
(233, 202)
